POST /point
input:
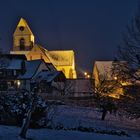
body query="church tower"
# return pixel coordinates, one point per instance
(23, 38)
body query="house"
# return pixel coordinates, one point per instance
(16, 72)
(50, 81)
(105, 78)
(32, 68)
(11, 66)
(24, 43)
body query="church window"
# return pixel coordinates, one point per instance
(21, 28)
(22, 44)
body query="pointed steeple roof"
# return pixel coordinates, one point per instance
(22, 25)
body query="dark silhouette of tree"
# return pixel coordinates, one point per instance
(129, 53)
(103, 99)
(26, 120)
(129, 49)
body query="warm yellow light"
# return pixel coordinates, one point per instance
(18, 83)
(85, 73)
(88, 76)
(115, 78)
(126, 83)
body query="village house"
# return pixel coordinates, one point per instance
(50, 68)
(18, 73)
(11, 66)
(103, 76)
(51, 83)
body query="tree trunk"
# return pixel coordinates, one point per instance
(104, 114)
(26, 121)
(25, 125)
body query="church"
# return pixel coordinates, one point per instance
(24, 44)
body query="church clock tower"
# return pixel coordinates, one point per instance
(23, 38)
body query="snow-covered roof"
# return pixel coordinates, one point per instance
(57, 57)
(104, 68)
(62, 58)
(38, 49)
(31, 68)
(15, 64)
(48, 76)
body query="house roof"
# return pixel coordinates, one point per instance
(57, 57)
(32, 67)
(11, 61)
(13, 56)
(62, 58)
(48, 76)
(104, 68)
(39, 49)
(15, 64)
(50, 66)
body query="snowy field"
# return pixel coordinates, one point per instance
(74, 116)
(71, 117)
(11, 133)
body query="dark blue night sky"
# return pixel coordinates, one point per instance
(93, 28)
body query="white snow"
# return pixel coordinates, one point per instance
(11, 133)
(73, 116)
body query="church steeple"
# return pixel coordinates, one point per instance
(23, 38)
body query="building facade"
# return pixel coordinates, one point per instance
(24, 43)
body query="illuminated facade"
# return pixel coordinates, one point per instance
(24, 43)
(102, 73)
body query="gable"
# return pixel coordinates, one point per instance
(103, 69)
(38, 52)
(22, 23)
(31, 69)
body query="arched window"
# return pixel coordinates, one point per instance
(31, 45)
(22, 44)
(70, 73)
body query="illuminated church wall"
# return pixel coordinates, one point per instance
(23, 38)
(23, 43)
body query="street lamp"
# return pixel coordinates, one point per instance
(88, 76)
(85, 73)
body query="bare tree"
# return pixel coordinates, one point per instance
(129, 52)
(26, 120)
(103, 97)
(129, 49)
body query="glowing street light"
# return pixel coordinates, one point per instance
(115, 78)
(85, 73)
(18, 83)
(88, 76)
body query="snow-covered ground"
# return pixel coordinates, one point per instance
(74, 116)
(11, 133)
(70, 118)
